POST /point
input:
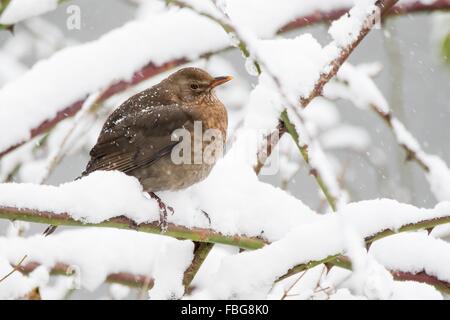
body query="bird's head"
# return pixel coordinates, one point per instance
(192, 85)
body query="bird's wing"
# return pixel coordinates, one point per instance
(136, 136)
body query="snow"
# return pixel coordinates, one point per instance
(346, 136)
(438, 177)
(251, 14)
(371, 216)
(297, 77)
(10, 68)
(241, 276)
(119, 291)
(360, 89)
(115, 194)
(18, 10)
(414, 253)
(235, 201)
(95, 253)
(16, 285)
(346, 29)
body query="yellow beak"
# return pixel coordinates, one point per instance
(219, 80)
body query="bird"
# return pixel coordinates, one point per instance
(138, 137)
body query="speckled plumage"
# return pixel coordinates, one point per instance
(136, 138)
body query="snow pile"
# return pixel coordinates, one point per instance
(138, 42)
(95, 198)
(414, 253)
(372, 216)
(95, 253)
(346, 136)
(18, 10)
(362, 91)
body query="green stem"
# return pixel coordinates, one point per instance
(304, 152)
(200, 254)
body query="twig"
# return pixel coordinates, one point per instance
(16, 268)
(285, 294)
(399, 9)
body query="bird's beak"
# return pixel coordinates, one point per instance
(219, 80)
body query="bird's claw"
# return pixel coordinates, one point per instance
(162, 212)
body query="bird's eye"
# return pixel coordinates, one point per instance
(194, 86)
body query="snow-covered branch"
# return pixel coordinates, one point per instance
(122, 222)
(13, 11)
(403, 7)
(355, 85)
(241, 275)
(93, 256)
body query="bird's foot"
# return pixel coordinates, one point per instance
(162, 211)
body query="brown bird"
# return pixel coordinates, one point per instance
(138, 137)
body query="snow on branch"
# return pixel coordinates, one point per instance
(331, 70)
(95, 255)
(354, 84)
(13, 11)
(323, 241)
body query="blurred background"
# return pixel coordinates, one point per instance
(414, 78)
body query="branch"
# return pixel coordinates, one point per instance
(152, 69)
(122, 222)
(410, 153)
(145, 73)
(423, 277)
(384, 7)
(16, 268)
